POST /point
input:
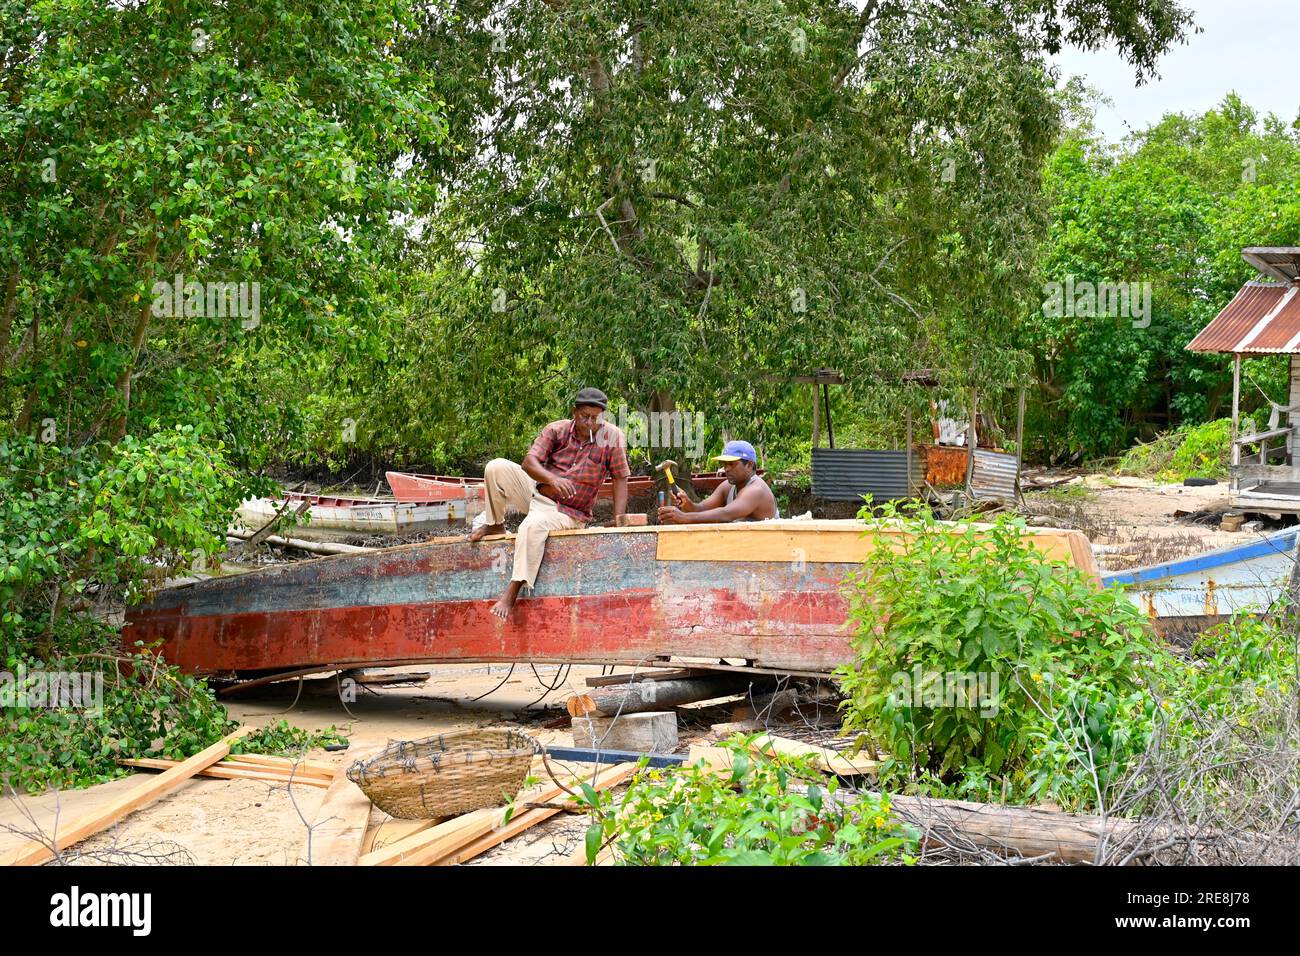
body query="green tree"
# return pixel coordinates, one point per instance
(682, 213)
(1173, 207)
(259, 145)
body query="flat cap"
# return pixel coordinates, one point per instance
(591, 396)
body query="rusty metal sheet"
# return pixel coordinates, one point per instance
(945, 465)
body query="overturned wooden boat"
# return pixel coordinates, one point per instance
(327, 515)
(412, 487)
(768, 595)
(1245, 577)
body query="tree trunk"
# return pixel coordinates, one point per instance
(1037, 832)
(641, 697)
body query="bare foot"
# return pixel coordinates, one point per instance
(483, 530)
(506, 603)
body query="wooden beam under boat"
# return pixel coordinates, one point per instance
(769, 593)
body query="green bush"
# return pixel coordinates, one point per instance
(767, 810)
(968, 641)
(148, 709)
(283, 739)
(1190, 451)
(115, 519)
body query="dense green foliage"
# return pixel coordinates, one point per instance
(283, 739)
(144, 709)
(1173, 207)
(252, 149)
(1082, 690)
(765, 810)
(1186, 452)
(967, 641)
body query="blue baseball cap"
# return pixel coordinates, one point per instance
(738, 451)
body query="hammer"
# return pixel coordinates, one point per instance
(667, 466)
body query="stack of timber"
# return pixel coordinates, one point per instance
(461, 838)
(304, 773)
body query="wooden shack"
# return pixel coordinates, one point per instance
(1263, 319)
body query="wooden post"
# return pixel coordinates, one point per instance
(971, 439)
(1236, 405)
(817, 415)
(908, 451)
(1020, 436)
(830, 429)
(1292, 401)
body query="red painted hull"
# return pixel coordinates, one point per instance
(770, 593)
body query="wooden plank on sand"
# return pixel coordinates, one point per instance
(339, 828)
(35, 852)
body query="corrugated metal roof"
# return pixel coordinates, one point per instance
(846, 474)
(1280, 262)
(1263, 318)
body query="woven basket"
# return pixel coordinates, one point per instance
(445, 775)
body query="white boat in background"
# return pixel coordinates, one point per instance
(1245, 577)
(331, 515)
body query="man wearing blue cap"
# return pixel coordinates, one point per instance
(744, 496)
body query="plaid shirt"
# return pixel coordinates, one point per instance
(586, 464)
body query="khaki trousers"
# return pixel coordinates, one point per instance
(509, 488)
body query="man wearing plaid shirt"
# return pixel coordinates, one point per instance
(556, 486)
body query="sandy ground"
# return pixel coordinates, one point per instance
(1133, 522)
(221, 822)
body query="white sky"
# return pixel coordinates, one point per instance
(1248, 46)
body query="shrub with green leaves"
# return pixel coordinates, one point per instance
(1191, 451)
(113, 519)
(767, 810)
(148, 709)
(971, 607)
(283, 739)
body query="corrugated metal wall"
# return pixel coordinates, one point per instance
(846, 474)
(993, 475)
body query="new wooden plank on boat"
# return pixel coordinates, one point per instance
(832, 542)
(35, 852)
